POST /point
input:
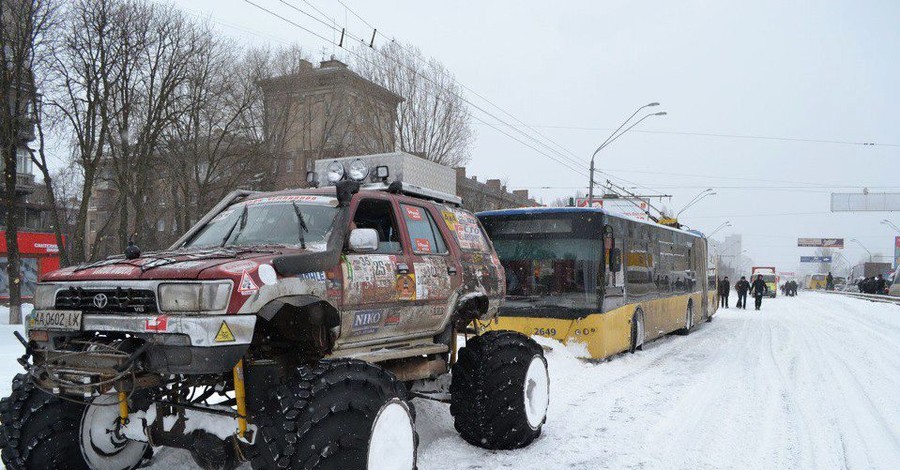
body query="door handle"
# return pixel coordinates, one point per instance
(451, 270)
(402, 268)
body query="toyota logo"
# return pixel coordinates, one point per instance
(100, 300)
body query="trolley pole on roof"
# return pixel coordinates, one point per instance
(612, 137)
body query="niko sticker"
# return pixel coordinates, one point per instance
(366, 322)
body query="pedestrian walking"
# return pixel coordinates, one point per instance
(758, 290)
(880, 285)
(742, 287)
(724, 290)
(829, 281)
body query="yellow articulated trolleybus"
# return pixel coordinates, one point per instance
(607, 282)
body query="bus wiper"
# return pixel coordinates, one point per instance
(242, 222)
(301, 225)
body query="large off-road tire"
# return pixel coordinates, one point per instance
(39, 431)
(336, 415)
(500, 390)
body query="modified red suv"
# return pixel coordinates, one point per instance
(288, 329)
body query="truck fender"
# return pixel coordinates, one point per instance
(321, 312)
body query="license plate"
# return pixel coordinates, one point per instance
(68, 320)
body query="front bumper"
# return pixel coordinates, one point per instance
(177, 344)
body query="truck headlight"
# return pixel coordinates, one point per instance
(45, 296)
(194, 297)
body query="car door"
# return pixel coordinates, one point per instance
(374, 282)
(435, 271)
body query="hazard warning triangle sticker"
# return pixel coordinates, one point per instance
(224, 335)
(247, 286)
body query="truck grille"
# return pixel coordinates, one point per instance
(121, 300)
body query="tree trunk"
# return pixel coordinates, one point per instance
(12, 240)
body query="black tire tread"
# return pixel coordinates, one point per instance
(486, 391)
(311, 417)
(39, 430)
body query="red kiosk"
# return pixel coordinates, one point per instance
(38, 254)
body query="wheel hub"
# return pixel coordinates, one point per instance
(537, 392)
(102, 444)
(392, 445)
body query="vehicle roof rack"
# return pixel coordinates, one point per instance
(415, 176)
(416, 191)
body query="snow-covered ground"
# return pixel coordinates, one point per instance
(811, 382)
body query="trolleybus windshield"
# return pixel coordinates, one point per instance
(552, 263)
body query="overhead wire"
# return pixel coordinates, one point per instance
(570, 162)
(561, 159)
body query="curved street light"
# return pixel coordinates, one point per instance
(890, 224)
(720, 227)
(699, 197)
(615, 135)
(863, 247)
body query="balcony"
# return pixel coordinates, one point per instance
(25, 183)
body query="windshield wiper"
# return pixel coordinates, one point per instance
(301, 225)
(242, 222)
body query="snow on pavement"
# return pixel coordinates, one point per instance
(809, 382)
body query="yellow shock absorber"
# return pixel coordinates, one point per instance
(240, 396)
(123, 407)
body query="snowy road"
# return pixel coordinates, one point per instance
(811, 382)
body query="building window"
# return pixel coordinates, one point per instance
(92, 225)
(289, 166)
(23, 161)
(161, 225)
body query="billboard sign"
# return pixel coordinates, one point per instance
(820, 242)
(815, 259)
(865, 202)
(896, 252)
(635, 208)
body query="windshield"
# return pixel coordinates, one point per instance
(768, 277)
(818, 277)
(544, 273)
(271, 221)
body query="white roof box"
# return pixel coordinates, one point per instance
(418, 176)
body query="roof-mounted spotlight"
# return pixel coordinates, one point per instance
(335, 172)
(358, 170)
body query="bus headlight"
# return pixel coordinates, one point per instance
(44, 296)
(194, 297)
(358, 170)
(335, 172)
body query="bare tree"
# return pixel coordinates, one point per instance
(86, 63)
(24, 26)
(433, 120)
(210, 149)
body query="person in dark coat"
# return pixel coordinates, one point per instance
(742, 288)
(724, 290)
(758, 289)
(880, 285)
(829, 281)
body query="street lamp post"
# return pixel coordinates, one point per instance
(699, 197)
(720, 227)
(612, 137)
(863, 247)
(890, 224)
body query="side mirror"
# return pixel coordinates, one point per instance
(615, 260)
(363, 240)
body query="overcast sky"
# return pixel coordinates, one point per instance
(817, 69)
